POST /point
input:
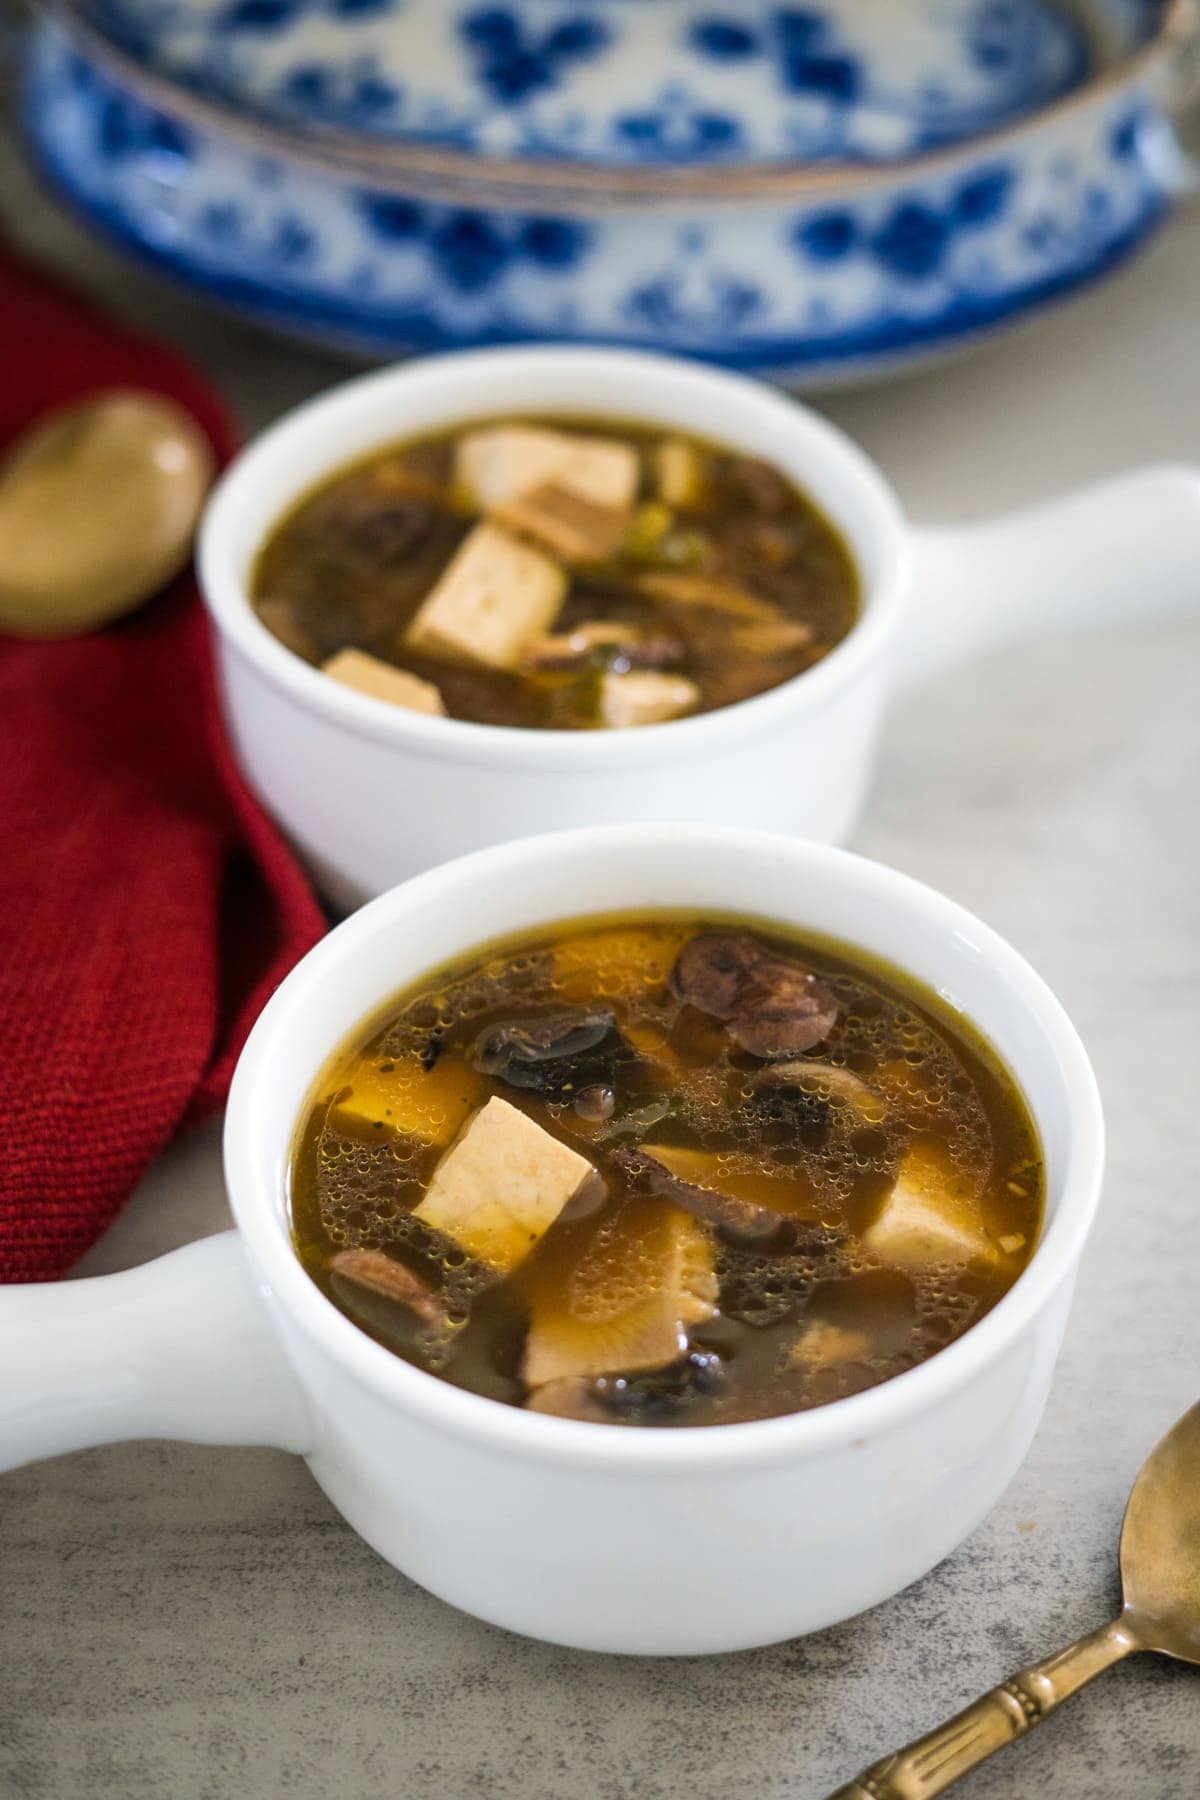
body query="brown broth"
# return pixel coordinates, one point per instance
(349, 566)
(678, 1079)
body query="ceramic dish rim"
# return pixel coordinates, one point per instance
(589, 186)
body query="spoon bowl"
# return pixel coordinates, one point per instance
(1160, 1546)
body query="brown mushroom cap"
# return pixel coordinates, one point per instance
(741, 1219)
(381, 1274)
(770, 1005)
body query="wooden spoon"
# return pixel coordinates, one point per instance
(98, 507)
(1160, 1575)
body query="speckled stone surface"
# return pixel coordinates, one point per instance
(198, 1623)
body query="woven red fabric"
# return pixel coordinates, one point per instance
(147, 907)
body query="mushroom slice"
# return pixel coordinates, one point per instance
(693, 1180)
(381, 1274)
(930, 1216)
(707, 592)
(772, 1007)
(644, 1277)
(765, 490)
(625, 644)
(501, 1185)
(828, 1081)
(557, 1055)
(772, 637)
(645, 697)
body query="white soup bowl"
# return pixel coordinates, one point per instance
(370, 793)
(654, 1541)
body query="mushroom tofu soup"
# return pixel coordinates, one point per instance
(562, 576)
(664, 1171)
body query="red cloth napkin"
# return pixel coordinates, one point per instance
(147, 906)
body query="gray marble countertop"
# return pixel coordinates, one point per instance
(199, 1623)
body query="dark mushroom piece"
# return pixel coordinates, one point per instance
(649, 1394)
(653, 1393)
(740, 1220)
(381, 1274)
(610, 643)
(771, 1006)
(826, 1082)
(558, 1055)
(762, 487)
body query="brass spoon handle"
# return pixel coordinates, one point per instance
(931, 1763)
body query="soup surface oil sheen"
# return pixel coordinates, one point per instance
(786, 1173)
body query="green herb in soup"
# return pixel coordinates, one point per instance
(665, 1171)
(562, 576)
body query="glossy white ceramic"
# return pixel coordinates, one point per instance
(370, 794)
(647, 1541)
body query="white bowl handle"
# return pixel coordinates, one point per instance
(180, 1348)
(1122, 552)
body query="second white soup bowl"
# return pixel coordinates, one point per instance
(370, 793)
(651, 1541)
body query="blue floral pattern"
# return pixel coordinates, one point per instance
(514, 59)
(832, 286)
(627, 81)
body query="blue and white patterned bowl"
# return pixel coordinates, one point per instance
(814, 191)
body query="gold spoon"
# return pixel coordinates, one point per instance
(98, 507)
(1160, 1576)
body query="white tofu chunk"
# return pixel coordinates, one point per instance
(493, 596)
(503, 462)
(645, 1277)
(368, 675)
(570, 527)
(501, 1185)
(929, 1216)
(645, 697)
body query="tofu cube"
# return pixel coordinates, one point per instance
(501, 463)
(930, 1216)
(407, 1101)
(644, 1278)
(368, 675)
(569, 526)
(493, 596)
(645, 697)
(501, 1185)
